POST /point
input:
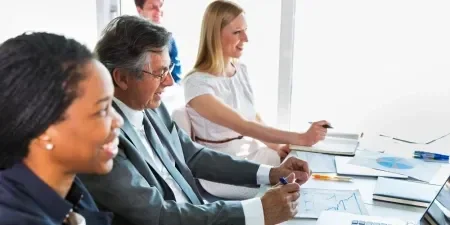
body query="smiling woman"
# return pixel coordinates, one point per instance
(57, 121)
(220, 101)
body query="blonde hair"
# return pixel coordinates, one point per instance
(218, 14)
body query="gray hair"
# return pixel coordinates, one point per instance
(127, 41)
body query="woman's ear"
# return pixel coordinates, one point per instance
(45, 141)
(120, 78)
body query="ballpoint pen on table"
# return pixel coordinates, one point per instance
(429, 156)
(397, 139)
(412, 142)
(435, 160)
(333, 178)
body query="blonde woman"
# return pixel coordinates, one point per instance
(220, 100)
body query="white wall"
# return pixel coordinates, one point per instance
(381, 65)
(76, 19)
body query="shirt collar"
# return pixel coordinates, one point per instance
(56, 206)
(135, 117)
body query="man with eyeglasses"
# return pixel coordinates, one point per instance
(153, 180)
(153, 11)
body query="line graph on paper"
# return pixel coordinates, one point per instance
(313, 201)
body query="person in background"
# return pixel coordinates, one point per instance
(153, 11)
(220, 102)
(56, 121)
(153, 180)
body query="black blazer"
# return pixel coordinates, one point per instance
(26, 199)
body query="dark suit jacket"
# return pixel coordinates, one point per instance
(138, 195)
(26, 199)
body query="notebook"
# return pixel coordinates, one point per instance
(334, 144)
(344, 168)
(405, 192)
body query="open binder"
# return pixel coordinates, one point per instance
(334, 143)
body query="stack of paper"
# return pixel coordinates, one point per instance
(344, 168)
(334, 144)
(410, 167)
(314, 201)
(405, 192)
(318, 163)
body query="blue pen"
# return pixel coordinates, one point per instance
(435, 160)
(430, 159)
(283, 180)
(430, 155)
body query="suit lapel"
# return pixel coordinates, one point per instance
(156, 135)
(163, 132)
(131, 134)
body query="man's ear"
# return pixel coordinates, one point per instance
(120, 78)
(139, 10)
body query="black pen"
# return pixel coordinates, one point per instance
(325, 125)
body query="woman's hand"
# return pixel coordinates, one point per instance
(315, 133)
(283, 151)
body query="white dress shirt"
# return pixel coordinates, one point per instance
(252, 208)
(136, 119)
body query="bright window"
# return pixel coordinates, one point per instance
(373, 65)
(183, 19)
(75, 19)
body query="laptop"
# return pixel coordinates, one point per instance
(437, 213)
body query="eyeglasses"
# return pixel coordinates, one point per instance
(163, 73)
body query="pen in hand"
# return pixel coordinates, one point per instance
(328, 126)
(283, 181)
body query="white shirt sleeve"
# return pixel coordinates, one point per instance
(262, 175)
(196, 85)
(253, 210)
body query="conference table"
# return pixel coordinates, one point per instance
(366, 185)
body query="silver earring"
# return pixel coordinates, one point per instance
(49, 146)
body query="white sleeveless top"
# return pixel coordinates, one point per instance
(234, 91)
(237, 93)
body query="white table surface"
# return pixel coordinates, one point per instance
(366, 185)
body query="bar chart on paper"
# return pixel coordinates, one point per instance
(313, 201)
